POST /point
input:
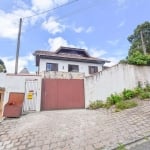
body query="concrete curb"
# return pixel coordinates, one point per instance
(132, 143)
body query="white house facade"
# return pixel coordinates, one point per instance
(67, 59)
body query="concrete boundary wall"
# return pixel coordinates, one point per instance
(62, 75)
(16, 83)
(100, 85)
(2, 80)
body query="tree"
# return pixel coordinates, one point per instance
(139, 52)
(2, 66)
(137, 58)
(140, 39)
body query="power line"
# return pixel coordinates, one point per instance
(44, 12)
(77, 11)
(80, 10)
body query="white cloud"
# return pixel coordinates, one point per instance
(82, 29)
(20, 4)
(23, 62)
(38, 5)
(78, 29)
(9, 22)
(89, 29)
(8, 25)
(113, 42)
(97, 53)
(55, 43)
(52, 26)
(113, 61)
(121, 24)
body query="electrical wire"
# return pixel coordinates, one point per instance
(80, 10)
(47, 11)
(77, 11)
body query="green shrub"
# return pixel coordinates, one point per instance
(144, 95)
(137, 58)
(126, 104)
(107, 105)
(147, 88)
(138, 91)
(114, 98)
(128, 94)
(96, 104)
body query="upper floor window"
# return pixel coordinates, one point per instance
(93, 69)
(51, 67)
(73, 68)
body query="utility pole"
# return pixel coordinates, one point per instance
(18, 46)
(143, 44)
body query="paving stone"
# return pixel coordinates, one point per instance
(22, 147)
(89, 147)
(45, 147)
(14, 148)
(2, 147)
(75, 129)
(6, 142)
(10, 145)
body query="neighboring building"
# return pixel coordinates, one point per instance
(24, 71)
(68, 59)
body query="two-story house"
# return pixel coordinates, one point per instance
(67, 59)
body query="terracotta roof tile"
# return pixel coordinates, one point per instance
(74, 56)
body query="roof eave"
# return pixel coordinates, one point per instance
(72, 59)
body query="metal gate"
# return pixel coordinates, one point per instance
(62, 94)
(30, 101)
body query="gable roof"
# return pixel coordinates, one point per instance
(71, 50)
(68, 54)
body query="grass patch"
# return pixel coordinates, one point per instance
(128, 94)
(144, 95)
(125, 105)
(114, 98)
(96, 104)
(121, 147)
(123, 100)
(146, 138)
(138, 91)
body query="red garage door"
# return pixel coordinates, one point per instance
(62, 94)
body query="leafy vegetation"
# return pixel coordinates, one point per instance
(2, 66)
(121, 147)
(139, 52)
(96, 104)
(128, 94)
(142, 30)
(123, 100)
(144, 95)
(114, 98)
(126, 105)
(137, 58)
(138, 91)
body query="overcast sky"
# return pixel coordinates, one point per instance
(99, 26)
